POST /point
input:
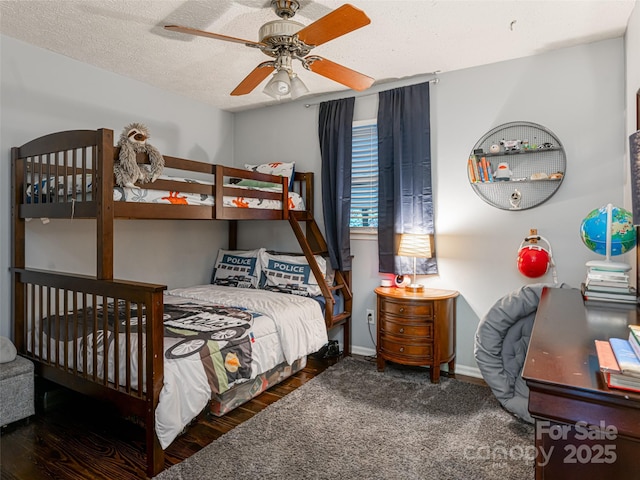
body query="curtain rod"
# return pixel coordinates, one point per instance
(433, 80)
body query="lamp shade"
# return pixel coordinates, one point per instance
(415, 245)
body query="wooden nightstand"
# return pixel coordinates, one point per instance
(417, 328)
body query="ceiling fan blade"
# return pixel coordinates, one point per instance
(217, 36)
(252, 80)
(342, 20)
(338, 73)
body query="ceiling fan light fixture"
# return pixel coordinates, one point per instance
(275, 96)
(298, 88)
(279, 85)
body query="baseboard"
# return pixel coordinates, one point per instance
(460, 369)
(468, 371)
(365, 352)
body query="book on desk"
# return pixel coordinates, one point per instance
(608, 286)
(621, 295)
(619, 361)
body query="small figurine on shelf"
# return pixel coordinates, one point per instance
(503, 173)
(539, 176)
(495, 148)
(511, 146)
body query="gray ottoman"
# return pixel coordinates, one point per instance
(16, 390)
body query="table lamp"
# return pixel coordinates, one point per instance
(416, 245)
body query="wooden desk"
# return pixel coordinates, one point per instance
(566, 387)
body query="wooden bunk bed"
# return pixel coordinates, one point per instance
(79, 167)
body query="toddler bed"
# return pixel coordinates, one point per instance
(66, 323)
(214, 339)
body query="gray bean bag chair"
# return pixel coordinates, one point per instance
(501, 343)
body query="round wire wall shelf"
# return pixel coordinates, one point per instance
(517, 166)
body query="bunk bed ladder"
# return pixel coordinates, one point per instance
(313, 243)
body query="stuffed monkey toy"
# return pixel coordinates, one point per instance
(133, 140)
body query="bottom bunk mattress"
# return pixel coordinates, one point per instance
(215, 338)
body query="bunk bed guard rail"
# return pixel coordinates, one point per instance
(102, 338)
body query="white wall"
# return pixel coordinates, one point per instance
(42, 92)
(578, 93)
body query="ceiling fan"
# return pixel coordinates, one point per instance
(286, 40)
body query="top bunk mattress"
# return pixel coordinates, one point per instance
(72, 188)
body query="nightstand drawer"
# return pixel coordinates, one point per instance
(424, 351)
(424, 309)
(425, 330)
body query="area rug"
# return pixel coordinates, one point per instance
(353, 422)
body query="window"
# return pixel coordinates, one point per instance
(364, 177)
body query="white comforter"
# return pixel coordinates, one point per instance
(290, 328)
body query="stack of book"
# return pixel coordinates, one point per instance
(479, 170)
(619, 360)
(608, 286)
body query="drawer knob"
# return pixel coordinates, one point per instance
(402, 330)
(401, 309)
(402, 349)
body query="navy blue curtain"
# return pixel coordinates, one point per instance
(405, 197)
(334, 130)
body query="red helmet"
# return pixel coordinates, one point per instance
(533, 261)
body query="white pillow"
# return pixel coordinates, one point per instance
(237, 268)
(281, 169)
(290, 274)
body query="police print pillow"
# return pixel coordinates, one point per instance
(237, 268)
(290, 274)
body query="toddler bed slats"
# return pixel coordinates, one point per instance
(60, 324)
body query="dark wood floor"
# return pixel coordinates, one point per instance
(77, 438)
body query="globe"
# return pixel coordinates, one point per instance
(593, 230)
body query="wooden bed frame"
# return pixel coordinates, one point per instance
(63, 298)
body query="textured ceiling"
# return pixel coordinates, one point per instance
(404, 39)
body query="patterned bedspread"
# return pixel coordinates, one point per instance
(219, 336)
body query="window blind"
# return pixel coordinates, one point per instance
(364, 176)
